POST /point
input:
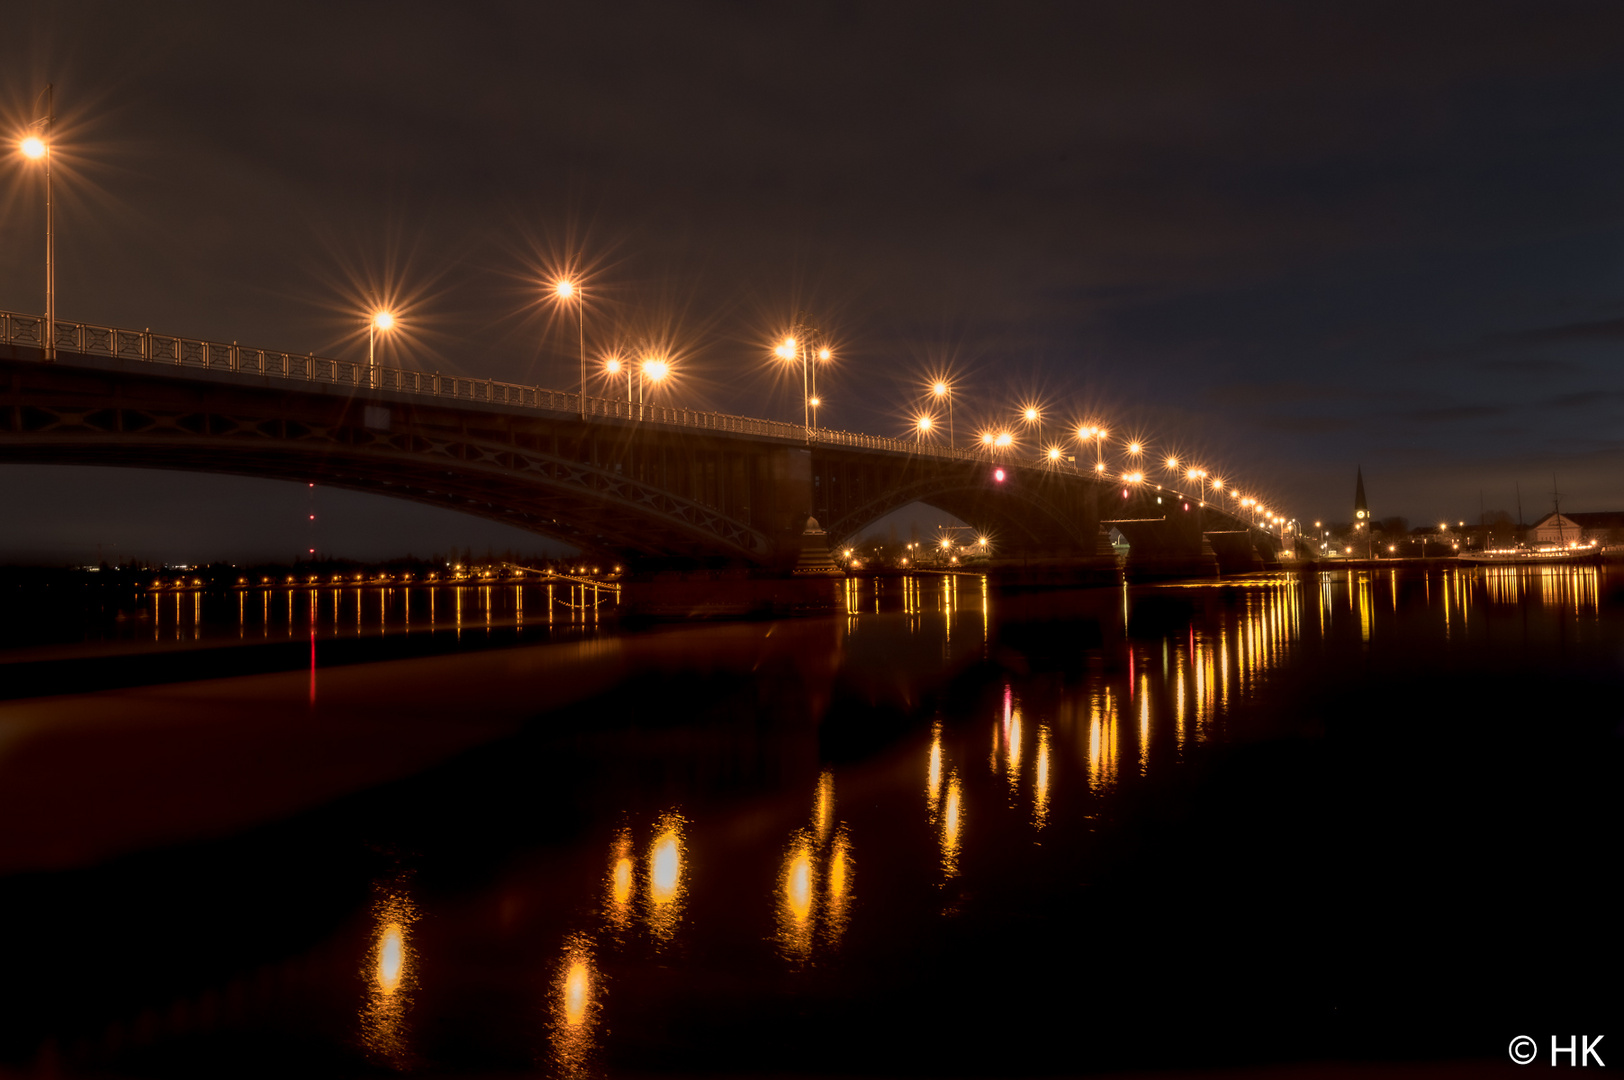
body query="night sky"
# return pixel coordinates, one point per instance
(1281, 240)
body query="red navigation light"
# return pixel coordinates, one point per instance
(998, 475)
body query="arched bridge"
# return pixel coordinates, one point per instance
(654, 485)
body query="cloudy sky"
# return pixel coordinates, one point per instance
(1285, 240)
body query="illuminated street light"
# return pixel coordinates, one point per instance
(613, 366)
(823, 356)
(1003, 440)
(565, 290)
(37, 147)
(941, 390)
(1031, 415)
(380, 320)
(796, 345)
(656, 371)
(922, 426)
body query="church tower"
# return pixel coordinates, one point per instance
(1361, 511)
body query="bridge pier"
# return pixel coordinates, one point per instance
(1165, 532)
(1236, 551)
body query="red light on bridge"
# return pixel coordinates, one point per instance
(998, 475)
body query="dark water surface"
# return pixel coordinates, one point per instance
(1354, 816)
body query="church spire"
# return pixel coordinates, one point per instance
(1361, 511)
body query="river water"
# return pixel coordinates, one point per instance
(1353, 816)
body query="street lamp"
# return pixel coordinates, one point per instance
(37, 147)
(797, 345)
(823, 355)
(1032, 416)
(941, 390)
(381, 320)
(922, 427)
(656, 371)
(613, 366)
(565, 290)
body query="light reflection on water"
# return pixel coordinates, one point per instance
(575, 1007)
(274, 613)
(390, 975)
(814, 880)
(666, 883)
(1135, 702)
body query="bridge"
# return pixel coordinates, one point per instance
(655, 486)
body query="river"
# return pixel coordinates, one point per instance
(1351, 816)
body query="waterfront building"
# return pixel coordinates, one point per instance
(1566, 528)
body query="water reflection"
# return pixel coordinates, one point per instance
(933, 772)
(667, 889)
(840, 873)
(576, 1005)
(951, 823)
(268, 613)
(814, 880)
(825, 803)
(795, 899)
(1145, 699)
(618, 902)
(1040, 782)
(391, 978)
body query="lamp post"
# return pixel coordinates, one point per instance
(942, 390)
(798, 345)
(823, 356)
(921, 426)
(788, 350)
(381, 320)
(1031, 415)
(38, 148)
(566, 290)
(656, 371)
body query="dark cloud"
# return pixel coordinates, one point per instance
(1244, 208)
(1456, 413)
(1606, 330)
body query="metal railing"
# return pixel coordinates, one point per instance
(167, 350)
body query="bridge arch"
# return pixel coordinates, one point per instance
(1029, 512)
(60, 415)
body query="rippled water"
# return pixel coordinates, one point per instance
(949, 832)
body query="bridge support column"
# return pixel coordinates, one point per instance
(1166, 542)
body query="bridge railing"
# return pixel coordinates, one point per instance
(168, 350)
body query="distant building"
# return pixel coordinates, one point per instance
(1361, 511)
(1567, 528)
